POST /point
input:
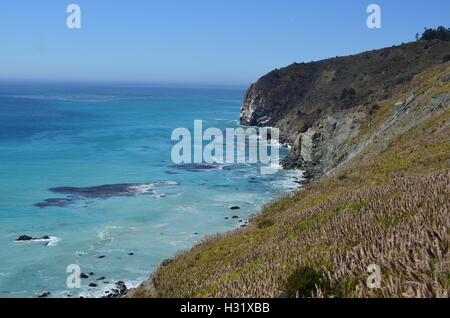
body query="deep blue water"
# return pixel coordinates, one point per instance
(74, 136)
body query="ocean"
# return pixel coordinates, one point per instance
(90, 166)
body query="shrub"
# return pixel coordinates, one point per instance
(446, 58)
(373, 109)
(357, 205)
(265, 223)
(441, 33)
(345, 287)
(304, 281)
(348, 93)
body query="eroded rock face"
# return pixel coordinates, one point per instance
(322, 147)
(327, 145)
(309, 142)
(446, 78)
(253, 112)
(248, 109)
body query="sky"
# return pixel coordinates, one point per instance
(229, 42)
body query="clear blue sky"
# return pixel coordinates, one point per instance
(195, 41)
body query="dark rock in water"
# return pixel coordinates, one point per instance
(229, 168)
(195, 167)
(24, 238)
(92, 285)
(101, 256)
(103, 191)
(131, 254)
(100, 192)
(114, 293)
(216, 186)
(227, 218)
(91, 273)
(235, 207)
(170, 172)
(54, 202)
(29, 238)
(235, 217)
(44, 295)
(166, 262)
(101, 278)
(122, 288)
(83, 276)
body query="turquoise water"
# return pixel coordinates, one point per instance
(73, 136)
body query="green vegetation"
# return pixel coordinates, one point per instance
(348, 93)
(265, 223)
(303, 282)
(440, 33)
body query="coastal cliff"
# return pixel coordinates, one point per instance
(319, 106)
(373, 132)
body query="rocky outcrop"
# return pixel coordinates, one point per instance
(120, 291)
(23, 238)
(327, 145)
(322, 147)
(320, 107)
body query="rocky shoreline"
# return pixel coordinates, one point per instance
(148, 287)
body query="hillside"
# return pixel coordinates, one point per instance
(299, 97)
(380, 157)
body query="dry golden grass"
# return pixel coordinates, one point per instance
(401, 226)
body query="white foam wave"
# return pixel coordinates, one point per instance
(142, 188)
(103, 235)
(157, 226)
(52, 241)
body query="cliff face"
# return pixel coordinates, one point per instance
(320, 106)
